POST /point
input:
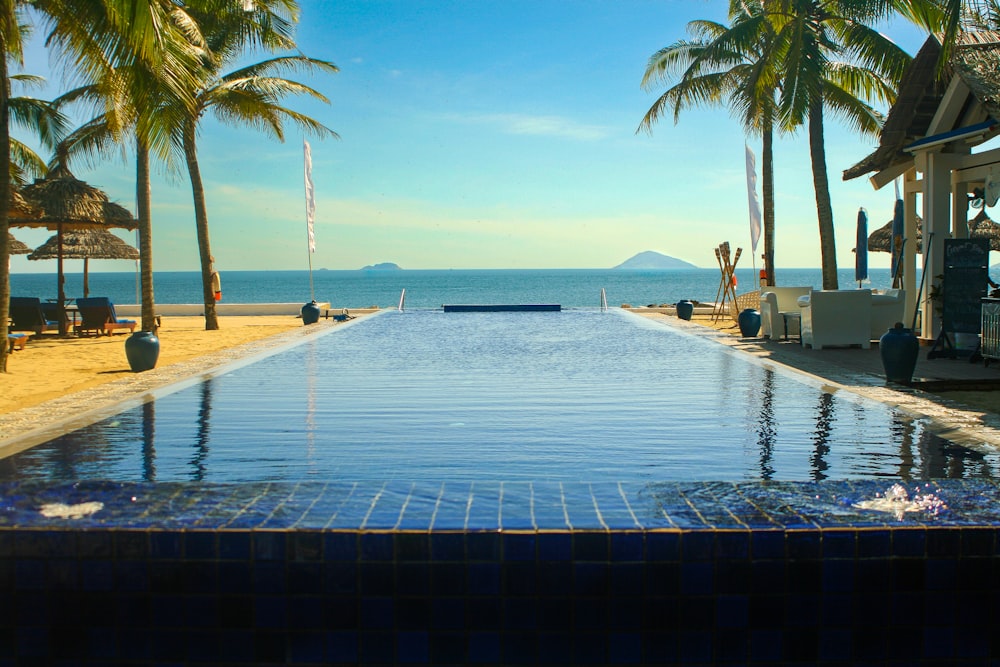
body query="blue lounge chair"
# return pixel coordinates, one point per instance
(97, 314)
(26, 315)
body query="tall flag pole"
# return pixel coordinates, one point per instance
(310, 212)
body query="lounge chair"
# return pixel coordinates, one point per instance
(836, 318)
(17, 341)
(97, 314)
(780, 312)
(26, 315)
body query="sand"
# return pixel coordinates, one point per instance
(50, 367)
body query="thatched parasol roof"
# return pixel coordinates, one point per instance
(921, 90)
(920, 93)
(19, 208)
(980, 226)
(65, 200)
(86, 244)
(15, 246)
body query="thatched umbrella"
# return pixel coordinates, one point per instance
(881, 239)
(67, 203)
(980, 227)
(19, 209)
(86, 245)
(16, 247)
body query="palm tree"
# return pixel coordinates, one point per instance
(725, 64)
(94, 40)
(248, 96)
(131, 106)
(829, 58)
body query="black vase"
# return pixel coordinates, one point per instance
(310, 313)
(142, 349)
(685, 309)
(749, 321)
(899, 349)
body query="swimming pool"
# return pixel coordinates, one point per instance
(577, 395)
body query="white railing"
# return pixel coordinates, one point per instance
(402, 299)
(604, 301)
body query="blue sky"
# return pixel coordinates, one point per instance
(490, 134)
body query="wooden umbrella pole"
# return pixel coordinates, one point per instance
(61, 295)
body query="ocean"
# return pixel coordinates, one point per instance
(571, 288)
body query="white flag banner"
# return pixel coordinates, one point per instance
(310, 197)
(752, 198)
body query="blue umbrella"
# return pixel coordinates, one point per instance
(861, 248)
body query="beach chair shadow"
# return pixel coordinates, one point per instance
(26, 315)
(97, 314)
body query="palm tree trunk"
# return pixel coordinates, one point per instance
(201, 222)
(821, 184)
(142, 198)
(767, 184)
(4, 203)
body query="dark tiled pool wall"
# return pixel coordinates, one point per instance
(146, 589)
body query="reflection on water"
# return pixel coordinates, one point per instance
(148, 425)
(821, 439)
(765, 426)
(202, 438)
(574, 396)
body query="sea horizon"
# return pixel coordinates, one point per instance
(432, 288)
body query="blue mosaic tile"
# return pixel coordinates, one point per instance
(387, 506)
(548, 506)
(484, 506)
(452, 507)
(421, 506)
(517, 506)
(555, 546)
(353, 512)
(325, 506)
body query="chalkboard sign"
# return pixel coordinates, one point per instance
(966, 269)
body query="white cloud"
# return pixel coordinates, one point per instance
(551, 126)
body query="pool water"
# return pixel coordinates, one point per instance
(577, 395)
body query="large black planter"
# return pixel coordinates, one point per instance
(310, 313)
(899, 349)
(142, 349)
(685, 309)
(749, 321)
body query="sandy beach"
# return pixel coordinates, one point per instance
(50, 367)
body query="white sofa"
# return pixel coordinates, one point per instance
(888, 307)
(836, 318)
(773, 302)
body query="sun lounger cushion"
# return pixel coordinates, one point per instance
(98, 314)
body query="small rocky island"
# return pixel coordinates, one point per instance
(384, 266)
(651, 259)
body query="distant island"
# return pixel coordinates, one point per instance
(654, 260)
(384, 266)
